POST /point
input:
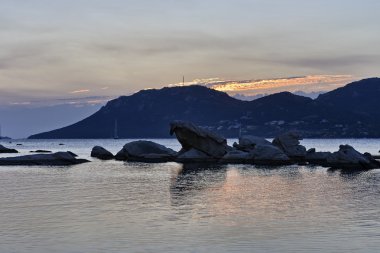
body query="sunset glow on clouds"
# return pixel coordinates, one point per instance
(313, 83)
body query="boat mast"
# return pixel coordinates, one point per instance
(115, 131)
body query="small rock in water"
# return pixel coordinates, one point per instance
(40, 151)
(145, 151)
(4, 150)
(101, 153)
(55, 159)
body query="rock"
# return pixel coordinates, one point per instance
(247, 143)
(289, 143)
(237, 156)
(145, 151)
(101, 153)
(318, 158)
(191, 136)
(55, 159)
(348, 158)
(4, 150)
(194, 156)
(18, 144)
(269, 155)
(40, 151)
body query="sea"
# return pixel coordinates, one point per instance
(112, 206)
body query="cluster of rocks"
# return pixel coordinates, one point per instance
(202, 146)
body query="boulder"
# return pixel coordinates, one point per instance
(348, 158)
(191, 136)
(248, 142)
(145, 151)
(194, 156)
(101, 153)
(55, 159)
(4, 150)
(237, 156)
(290, 144)
(269, 155)
(318, 158)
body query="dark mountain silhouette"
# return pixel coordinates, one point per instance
(350, 111)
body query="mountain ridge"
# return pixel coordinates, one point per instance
(147, 113)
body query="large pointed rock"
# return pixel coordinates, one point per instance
(101, 153)
(145, 151)
(194, 156)
(191, 136)
(4, 150)
(55, 159)
(348, 158)
(290, 144)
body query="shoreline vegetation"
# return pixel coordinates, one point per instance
(200, 145)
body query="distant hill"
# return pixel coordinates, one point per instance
(350, 111)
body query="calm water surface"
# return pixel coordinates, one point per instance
(132, 207)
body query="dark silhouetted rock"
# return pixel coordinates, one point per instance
(40, 151)
(317, 158)
(101, 153)
(191, 136)
(247, 143)
(289, 143)
(348, 158)
(4, 150)
(145, 151)
(55, 159)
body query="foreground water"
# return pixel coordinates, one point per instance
(132, 207)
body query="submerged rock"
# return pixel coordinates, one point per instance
(101, 153)
(145, 151)
(269, 155)
(318, 158)
(40, 151)
(55, 159)
(194, 156)
(290, 144)
(248, 142)
(348, 158)
(4, 150)
(191, 136)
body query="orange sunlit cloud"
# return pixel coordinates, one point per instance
(79, 91)
(312, 83)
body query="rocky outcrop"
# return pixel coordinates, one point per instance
(4, 150)
(247, 143)
(145, 151)
(55, 159)
(191, 136)
(317, 158)
(290, 144)
(348, 158)
(101, 153)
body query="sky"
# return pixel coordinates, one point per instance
(89, 51)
